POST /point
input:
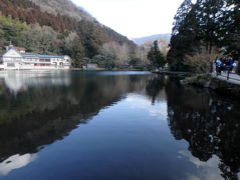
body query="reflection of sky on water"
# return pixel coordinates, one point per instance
(15, 162)
(201, 170)
(144, 103)
(22, 80)
(206, 170)
(132, 127)
(127, 73)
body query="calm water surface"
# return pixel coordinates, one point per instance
(114, 126)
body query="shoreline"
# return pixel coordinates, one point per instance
(219, 85)
(172, 72)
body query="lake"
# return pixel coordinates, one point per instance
(114, 126)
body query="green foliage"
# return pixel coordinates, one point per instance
(41, 39)
(104, 61)
(180, 16)
(155, 57)
(184, 40)
(230, 31)
(11, 30)
(73, 46)
(203, 27)
(135, 62)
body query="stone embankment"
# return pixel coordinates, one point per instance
(217, 83)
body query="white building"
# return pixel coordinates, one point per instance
(18, 59)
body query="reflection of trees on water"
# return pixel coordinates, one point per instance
(42, 114)
(209, 123)
(155, 86)
(38, 115)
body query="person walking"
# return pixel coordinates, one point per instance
(230, 64)
(218, 64)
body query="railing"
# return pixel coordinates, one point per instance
(228, 75)
(227, 70)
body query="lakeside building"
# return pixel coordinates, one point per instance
(16, 58)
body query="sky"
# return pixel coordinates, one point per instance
(133, 18)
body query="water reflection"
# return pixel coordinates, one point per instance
(143, 103)
(210, 124)
(15, 162)
(17, 81)
(39, 108)
(155, 86)
(206, 170)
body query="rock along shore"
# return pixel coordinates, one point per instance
(218, 84)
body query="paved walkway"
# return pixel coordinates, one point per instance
(233, 77)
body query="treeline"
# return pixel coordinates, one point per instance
(30, 13)
(203, 31)
(26, 25)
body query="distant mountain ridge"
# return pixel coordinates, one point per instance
(147, 39)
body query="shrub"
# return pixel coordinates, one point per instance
(201, 62)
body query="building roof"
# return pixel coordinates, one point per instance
(32, 55)
(29, 55)
(49, 56)
(19, 48)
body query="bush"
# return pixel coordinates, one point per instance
(201, 62)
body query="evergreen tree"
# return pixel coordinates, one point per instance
(209, 13)
(197, 31)
(155, 57)
(180, 16)
(184, 38)
(230, 31)
(77, 53)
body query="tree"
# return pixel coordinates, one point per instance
(180, 16)
(11, 30)
(73, 46)
(104, 61)
(155, 57)
(184, 40)
(230, 32)
(120, 52)
(195, 31)
(77, 53)
(42, 39)
(208, 16)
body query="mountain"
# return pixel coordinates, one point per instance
(147, 42)
(64, 7)
(147, 39)
(60, 27)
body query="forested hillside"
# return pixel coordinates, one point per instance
(203, 31)
(59, 27)
(63, 7)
